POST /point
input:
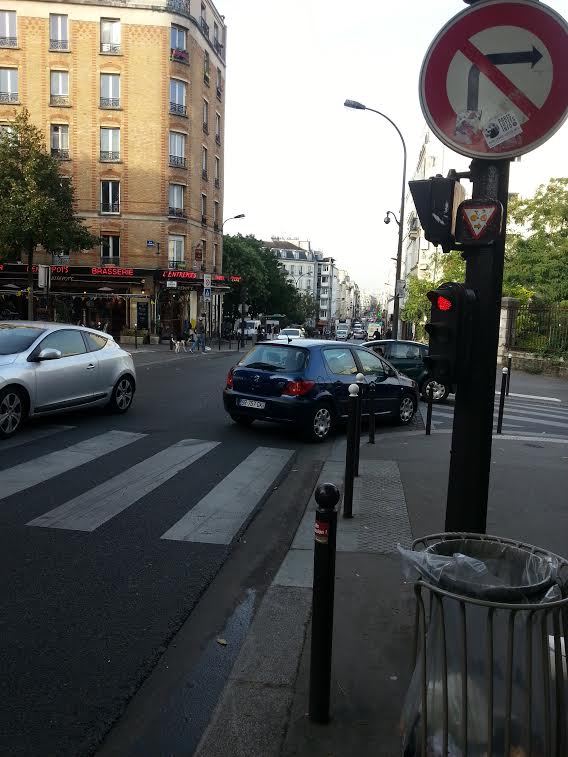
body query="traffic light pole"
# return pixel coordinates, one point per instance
(470, 461)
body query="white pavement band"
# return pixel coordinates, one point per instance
(26, 475)
(219, 516)
(93, 508)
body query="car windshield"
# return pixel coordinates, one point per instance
(271, 357)
(14, 339)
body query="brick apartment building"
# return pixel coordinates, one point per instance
(131, 98)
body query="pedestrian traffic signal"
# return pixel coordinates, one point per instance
(436, 201)
(450, 329)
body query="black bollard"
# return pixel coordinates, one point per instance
(371, 401)
(509, 366)
(219, 340)
(327, 497)
(429, 409)
(360, 383)
(502, 400)
(136, 337)
(350, 451)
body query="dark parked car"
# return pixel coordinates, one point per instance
(408, 358)
(306, 383)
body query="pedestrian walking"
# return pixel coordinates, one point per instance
(200, 337)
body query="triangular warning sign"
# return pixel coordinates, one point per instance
(478, 218)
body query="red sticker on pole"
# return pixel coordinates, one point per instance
(479, 222)
(493, 82)
(321, 531)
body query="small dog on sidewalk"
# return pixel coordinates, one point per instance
(179, 345)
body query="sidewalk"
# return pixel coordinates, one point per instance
(400, 495)
(165, 348)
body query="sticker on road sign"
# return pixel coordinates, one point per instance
(321, 532)
(493, 80)
(207, 281)
(479, 221)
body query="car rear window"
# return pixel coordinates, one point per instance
(15, 339)
(95, 342)
(273, 357)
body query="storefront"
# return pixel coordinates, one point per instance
(112, 298)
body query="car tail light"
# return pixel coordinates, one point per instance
(230, 379)
(298, 388)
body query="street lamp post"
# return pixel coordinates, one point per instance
(232, 218)
(359, 106)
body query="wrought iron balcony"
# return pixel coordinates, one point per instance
(177, 265)
(205, 128)
(204, 26)
(9, 97)
(218, 139)
(219, 93)
(8, 42)
(110, 207)
(59, 99)
(204, 220)
(218, 46)
(206, 78)
(178, 110)
(176, 212)
(181, 56)
(177, 161)
(110, 156)
(181, 6)
(204, 174)
(60, 153)
(111, 48)
(108, 261)
(59, 258)
(110, 103)
(59, 44)
(217, 183)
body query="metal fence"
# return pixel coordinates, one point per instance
(541, 329)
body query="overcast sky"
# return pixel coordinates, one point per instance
(297, 162)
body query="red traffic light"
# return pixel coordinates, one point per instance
(443, 303)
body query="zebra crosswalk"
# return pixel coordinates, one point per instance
(215, 519)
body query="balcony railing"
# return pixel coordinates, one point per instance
(218, 46)
(110, 156)
(206, 78)
(176, 265)
(204, 26)
(205, 128)
(59, 44)
(183, 6)
(204, 174)
(178, 110)
(204, 220)
(219, 93)
(110, 207)
(8, 42)
(218, 139)
(59, 99)
(176, 212)
(59, 259)
(110, 103)
(111, 48)
(217, 183)
(60, 153)
(109, 261)
(181, 56)
(177, 161)
(9, 97)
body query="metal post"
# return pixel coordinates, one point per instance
(360, 379)
(429, 410)
(504, 378)
(350, 451)
(136, 336)
(219, 332)
(327, 497)
(371, 402)
(509, 366)
(470, 462)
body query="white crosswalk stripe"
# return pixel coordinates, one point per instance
(219, 516)
(98, 505)
(24, 476)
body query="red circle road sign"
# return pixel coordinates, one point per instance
(494, 82)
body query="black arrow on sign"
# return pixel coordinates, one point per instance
(498, 59)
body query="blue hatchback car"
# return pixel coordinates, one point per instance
(306, 383)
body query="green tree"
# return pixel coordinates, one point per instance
(417, 306)
(36, 200)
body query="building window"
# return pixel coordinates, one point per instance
(217, 172)
(204, 162)
(110, 36)
(176, 246)
(8, 85)
(178, 91)
(110, 91)
(58, 32)
(203, 21)
(219, 83)
(206, 68)
(204, 252)
(215, 255)
(110, 196)
(206, 116)
(110, 144)
(60, 141)
(110, 249)
(218, 128)
(8, 35)
(216, 41)
(176, 201)
(204, 209)
(59, 88)
(216, 215)
(177, 149)
(178, 44)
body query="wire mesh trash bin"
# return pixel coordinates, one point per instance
(490, 676)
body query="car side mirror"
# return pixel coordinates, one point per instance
(48, 354)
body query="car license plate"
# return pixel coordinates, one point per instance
(252, 403)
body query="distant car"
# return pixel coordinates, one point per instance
(359, 333)
(306, 384)
(52, 367)
(408, 358)
(287, 335)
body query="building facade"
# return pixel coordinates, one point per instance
(131, 99)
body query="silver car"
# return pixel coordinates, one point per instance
(53, 367)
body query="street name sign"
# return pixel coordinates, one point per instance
(493, 82)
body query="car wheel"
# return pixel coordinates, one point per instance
(122, 395)
(243, 420)
(320, 423)
(406, 410)
(441, 391)
(13, 412)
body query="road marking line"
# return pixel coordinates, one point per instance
(544, 440)
(32, 435)
(40, 469)
(538, 413)
(90, 510)
(533, 397)
(219, 516)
